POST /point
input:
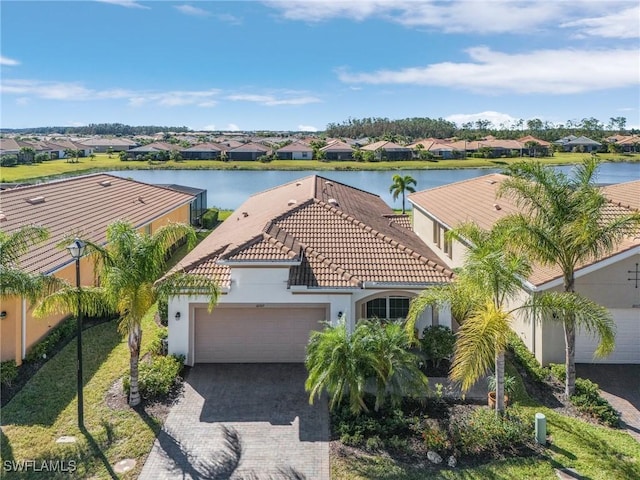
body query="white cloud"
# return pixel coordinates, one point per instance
(193, 11)
(232, 127)
(544, 71)
(209, 128)
(125, 3)
(307, 128)
(620, 24)
(496, 118)
(228, 18)
(496, 16)
(8, 62)
(270, 100)
(23, 101)
(76, 91)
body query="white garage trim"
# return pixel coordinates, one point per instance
(254, 333)
(627, 349)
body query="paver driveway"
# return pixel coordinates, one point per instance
(240, 421)
(620, 385)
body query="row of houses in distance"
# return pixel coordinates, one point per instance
(248, 148)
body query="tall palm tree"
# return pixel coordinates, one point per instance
(129, 268)
(492, 276)
(565, 221)
(400, 185)
(13, 280)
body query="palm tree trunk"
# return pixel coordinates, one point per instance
(403, 202)
(135, 337)
(499, 383)
(570, 342)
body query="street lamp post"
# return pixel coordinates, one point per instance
(76, 249)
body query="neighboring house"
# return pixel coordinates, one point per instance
(295, 151)
(295, 256)
(582, 143)
(337, 150)
(247, 152)
(199, 203)
(534, 147)
(630, 143)
(102, 144)
(9, 146)
(82, 206)
(60, 146)
(438, 148)
(612, 281)
(388, 151)
(202, 151)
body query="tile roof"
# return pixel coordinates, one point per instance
(384, 145)
(84, 206)
(475, 200)
(337, 146)
(342, 237)
(296, 147)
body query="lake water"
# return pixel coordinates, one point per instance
(229, 188)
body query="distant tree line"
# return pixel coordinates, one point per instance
(409, 129)
(117, 129)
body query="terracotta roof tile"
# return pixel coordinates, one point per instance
(342, 236)
(84, 206)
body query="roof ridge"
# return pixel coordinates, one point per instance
(250, 242)
(447, 185)
(197, 262)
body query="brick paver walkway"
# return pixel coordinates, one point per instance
(620, 385)
(243, 421)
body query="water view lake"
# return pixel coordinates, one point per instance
(229, 188)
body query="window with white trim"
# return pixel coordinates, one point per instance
(391, 307)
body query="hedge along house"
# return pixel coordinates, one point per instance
(291, 258)
(82, 206)
(612, 281)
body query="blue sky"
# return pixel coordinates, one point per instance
(282, 65)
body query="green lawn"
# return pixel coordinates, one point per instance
(46, 408)
(102, 162)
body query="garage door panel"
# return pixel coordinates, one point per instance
(627, 340)
(250, 335)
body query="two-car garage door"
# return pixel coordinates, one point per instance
(255, 335)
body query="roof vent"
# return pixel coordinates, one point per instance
(333, 202)
(328, 183)
(140, 199)
(106, 183)
(491, 182)
(35, 200)
(298, 184)
(292, 202)
(3, 217)
(245, 214)
(497, 207)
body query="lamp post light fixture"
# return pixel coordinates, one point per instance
(76, 250)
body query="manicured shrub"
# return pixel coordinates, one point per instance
(8, 160)
(8, 372)
(44, 347)
(209, 219)
(163, 311)
(158, 377)
(437, 343)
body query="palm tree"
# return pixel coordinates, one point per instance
(565, 222)
(492, 276)
(128, 270)
(400, 185)
(375, 357)
(14, 281)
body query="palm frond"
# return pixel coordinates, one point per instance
(92, 302)
(15, 244)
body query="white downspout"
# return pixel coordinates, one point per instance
(24, 330)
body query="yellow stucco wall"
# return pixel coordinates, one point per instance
(11, 325)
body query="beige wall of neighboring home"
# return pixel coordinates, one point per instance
(154, 207)
(432, 232)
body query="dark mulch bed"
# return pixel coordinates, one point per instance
(29, 369)
(431, 370)
(157, 408)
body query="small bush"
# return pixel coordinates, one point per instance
(8, 160)
(157, 345)
(163, 311)
(482, 431)
(437, 343)
(158, 377)
(210, 218)
(558, 370)
(526, 359)
(8, 372)
(435, 437)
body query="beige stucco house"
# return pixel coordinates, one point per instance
(292, 257)
(80, 206)
(612, 281)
